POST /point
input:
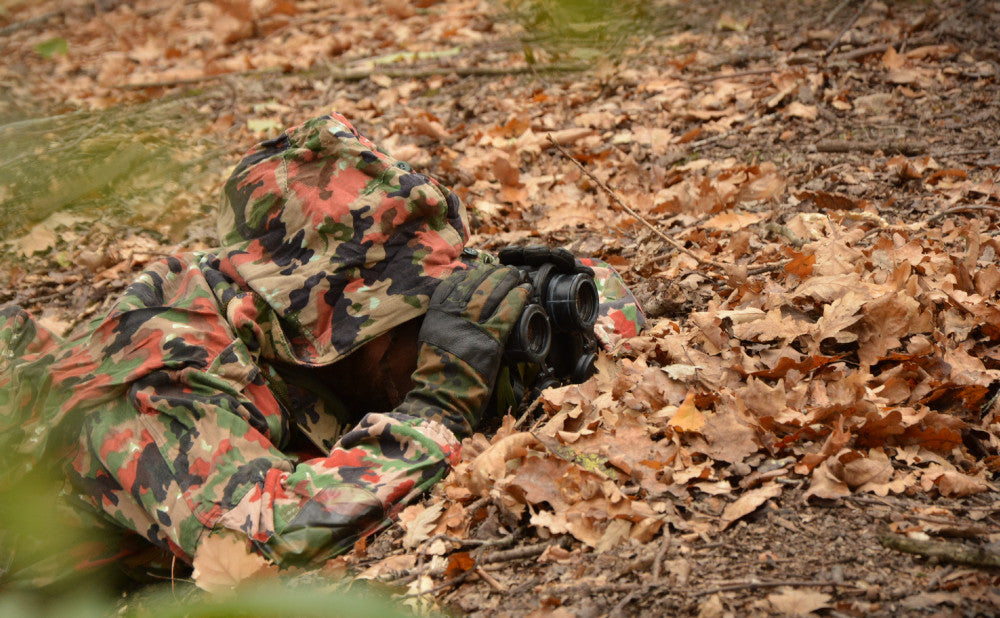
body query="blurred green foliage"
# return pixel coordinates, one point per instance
(35, 539)
(127, 163)
(52, 47)
(588, 29)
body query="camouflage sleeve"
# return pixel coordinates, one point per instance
(322, 507)
(188, 463)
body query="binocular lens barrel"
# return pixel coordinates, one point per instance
(584, 367)
(572, 301)
(532, 336)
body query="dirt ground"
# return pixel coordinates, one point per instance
(881, 117)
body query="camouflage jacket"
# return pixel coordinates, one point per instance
(178, 412)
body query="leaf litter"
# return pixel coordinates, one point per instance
(821, 357)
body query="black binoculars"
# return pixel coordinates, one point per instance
(556, 328)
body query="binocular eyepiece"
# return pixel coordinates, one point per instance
(557, 327)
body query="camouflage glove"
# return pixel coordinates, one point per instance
(461, 344)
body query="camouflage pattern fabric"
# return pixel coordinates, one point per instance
(619, 313)
(177, 412)
(335, 239)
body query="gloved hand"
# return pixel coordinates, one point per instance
(536, 255)
(461, 340)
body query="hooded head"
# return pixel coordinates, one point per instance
(334, 238)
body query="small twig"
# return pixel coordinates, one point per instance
(755, 584)
(661, 554)
(712, 78)
(80, 317)
(958, 209)
(54, 295)
(836, 39)
(714, 138)
(614, 196)
(897, 147)
(356, 76)
(518, 553)
(617, 610)
(861, 52)
(527, 413)
(962, 153)
(489, 579)
(768, 268)
(836, 11)
(933, 582)
(28, 23)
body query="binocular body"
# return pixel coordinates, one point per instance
(556, 328)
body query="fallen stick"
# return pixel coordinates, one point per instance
(28, 23)
(958, 209)
(794, 583)
(840, 35)
(898, 147)
(355, 76)
(944, 551)
(836, 11)
(712, 78)
(860, 52)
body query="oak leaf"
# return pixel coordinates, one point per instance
(825, 485)
(798, 602)
(748, 503)
(419, 522)
(491, 465)
(687, 417)
(223, 561)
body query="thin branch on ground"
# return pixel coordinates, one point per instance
(792, 583)
(29, 23)
(518, 553)
(890, 147)
(944, 551)
(836, 11)
(356, 76)
(661, 554)
(712, 78)
(618, 200)
(960, 209)
(840, 35)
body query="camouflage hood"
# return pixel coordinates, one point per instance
(334, 241)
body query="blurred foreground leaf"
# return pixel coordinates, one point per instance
(53, 47)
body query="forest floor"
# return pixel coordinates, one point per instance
(804, 196)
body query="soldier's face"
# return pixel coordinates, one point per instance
(377, 377)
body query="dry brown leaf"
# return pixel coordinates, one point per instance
(687, 417)
(223, 561)
(459, 563)
(825, 485)
(796, 109)
(729, 439)
(954, 484)
(389, 566)
(731, 221)
(748, 503)
(40, 238)
(420, 523)
(491, 465)
(798, 601)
